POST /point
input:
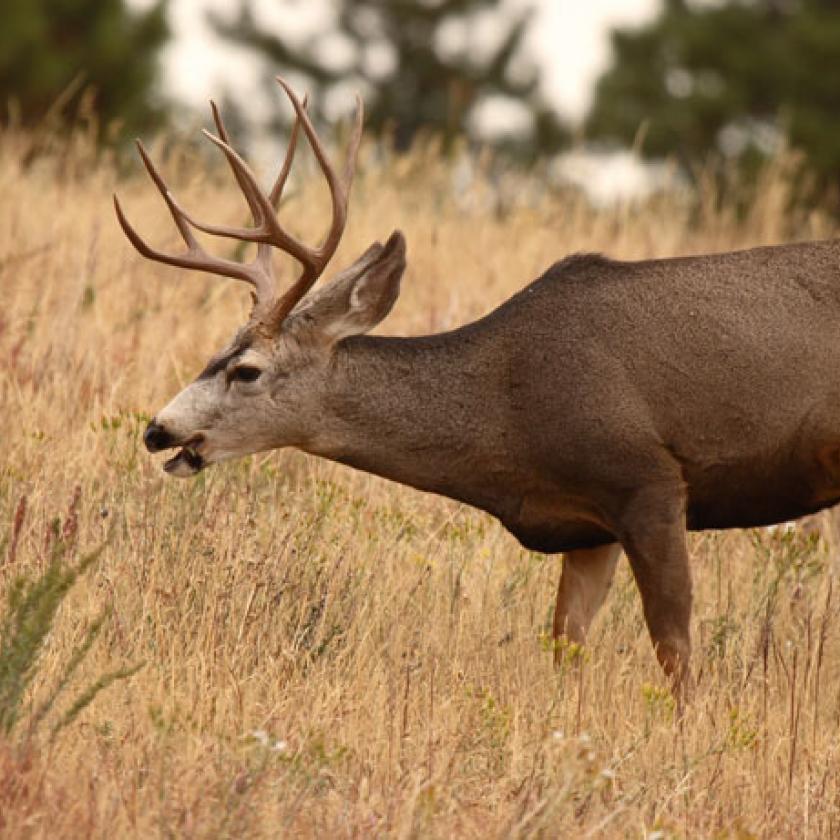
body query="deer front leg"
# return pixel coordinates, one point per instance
(653, 535)
(584, 582)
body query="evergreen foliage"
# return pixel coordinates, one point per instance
(411, 79)
(61, 59)
(734, 77)
(32, 603)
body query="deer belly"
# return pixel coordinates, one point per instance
(754, 495)
(551, 524)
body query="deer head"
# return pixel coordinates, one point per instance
(267, 387)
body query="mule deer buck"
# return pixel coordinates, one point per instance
(607, 405)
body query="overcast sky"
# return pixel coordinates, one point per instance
(569, 38)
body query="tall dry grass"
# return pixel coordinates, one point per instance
(328, 654)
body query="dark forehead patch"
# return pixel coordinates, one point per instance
(218, 363)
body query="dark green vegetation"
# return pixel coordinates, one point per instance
(328, 654)
(735, 79)
(65, 60)
(33, 600)
(414, 78)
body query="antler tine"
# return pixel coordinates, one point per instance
(195, 257)
(267, 230)
(253, 196)
(243, 185)
(339, 193)
(163, 188)
(280, 183)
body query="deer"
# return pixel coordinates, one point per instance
(608, 406)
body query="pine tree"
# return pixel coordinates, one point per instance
(57, 54)
(733, 78)
(411, 81)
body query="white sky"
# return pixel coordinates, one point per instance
(568, 37)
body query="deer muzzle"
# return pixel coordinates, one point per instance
(187, 462)
(157, 438)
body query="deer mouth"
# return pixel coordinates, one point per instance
(188, 461)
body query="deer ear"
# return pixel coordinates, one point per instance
(361, 295)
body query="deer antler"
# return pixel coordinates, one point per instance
(270, 308)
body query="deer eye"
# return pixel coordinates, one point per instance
(245, 373)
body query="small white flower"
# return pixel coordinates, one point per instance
(265, 740)
(260, 736)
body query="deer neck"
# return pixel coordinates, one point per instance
(409, 410)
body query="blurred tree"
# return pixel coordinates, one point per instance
(735, 78)
(59, 55)
(422, 66)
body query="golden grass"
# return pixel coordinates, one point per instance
(328, 654)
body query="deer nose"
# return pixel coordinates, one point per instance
(156, 437)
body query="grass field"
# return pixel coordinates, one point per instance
(330, 655)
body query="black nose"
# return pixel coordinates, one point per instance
(156, 437)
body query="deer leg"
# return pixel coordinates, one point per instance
(584, 582)
(653, 535)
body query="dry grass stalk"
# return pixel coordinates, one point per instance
(331, 655)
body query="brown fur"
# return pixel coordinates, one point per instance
(606, 403)
(617, 401)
